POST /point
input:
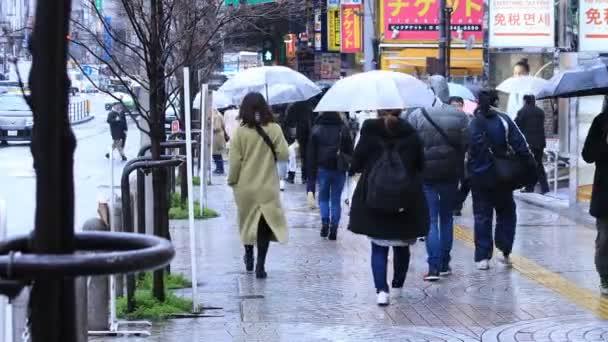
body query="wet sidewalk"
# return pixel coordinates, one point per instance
(319, 290)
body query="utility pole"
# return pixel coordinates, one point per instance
(443, 40)
(369, 36)
(448, 44)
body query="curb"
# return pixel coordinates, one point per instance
(577, 214)
(84, 120)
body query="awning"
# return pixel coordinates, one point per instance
(463, 62)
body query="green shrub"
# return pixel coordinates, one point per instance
(172, 281)
(179, 210)
(147, 307)
(196, 181)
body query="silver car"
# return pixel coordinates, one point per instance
(16, 119)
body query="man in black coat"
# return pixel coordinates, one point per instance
(596, 151)
(531, 121)
(118, 129)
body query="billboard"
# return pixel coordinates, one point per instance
(593, 25)
(351, 41)
(522, 23)
(333, 29)
(418, 20)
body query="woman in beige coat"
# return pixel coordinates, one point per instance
(254, 150)
(219, 142)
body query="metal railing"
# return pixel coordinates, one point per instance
(79, 110)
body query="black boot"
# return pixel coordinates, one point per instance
(333, 232)
(248, 258)
(260, 269)
(324, 230)
(291, 177)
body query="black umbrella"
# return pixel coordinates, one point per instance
(584, 81)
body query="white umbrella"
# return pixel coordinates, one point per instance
(525, 85)
(279, 84)
(219, 100)
(376, 90)
(461, 91)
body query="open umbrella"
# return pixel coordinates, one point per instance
(279, 84)
(584, 81)
(461, 91)
(376, 90)
(526, 85)
(219, 100)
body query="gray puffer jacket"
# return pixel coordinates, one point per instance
(444, 161)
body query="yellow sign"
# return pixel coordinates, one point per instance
(333, 29)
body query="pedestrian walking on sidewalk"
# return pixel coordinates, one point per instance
(118, 129)
(220, 138)
(255, 148)
(402, 216)
(595, 151)
(329, 151)
(464, 186)
(531, 121)
(443, 131)
(498, 151)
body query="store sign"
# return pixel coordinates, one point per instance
(350, 2)
(236, 3)
(351, 29)
(333, 29)
(418, 20)
(593, 25)
(330, 66)
(522, 23)
(333, 3)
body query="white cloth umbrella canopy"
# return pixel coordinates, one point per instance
(525, 85)
(280, 84)
(461, 91)
(219, 100)
(376, 90)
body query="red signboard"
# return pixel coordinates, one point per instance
(418, 20)
(351, 28)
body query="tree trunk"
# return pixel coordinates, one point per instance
(52, 302)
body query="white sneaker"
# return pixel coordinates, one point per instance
(506, 260)
(282, 185)
(483, 265)
(312, 203)
(383, 298)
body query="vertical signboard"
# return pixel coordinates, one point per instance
(593, 25)
(333, 28)
(418, 20)
(351, 28)
(318, 34)
(522, 23)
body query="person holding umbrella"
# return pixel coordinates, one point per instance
(595, 151)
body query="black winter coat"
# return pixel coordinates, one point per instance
(118, 125)
(531, 122)
(378, 224)
(324, 141)
(596, 151)
(299, 115)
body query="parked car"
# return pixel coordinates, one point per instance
(16, 119)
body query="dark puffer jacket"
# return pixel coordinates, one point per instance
(379, 224)
(443, 162)
(324, 141)
(531, 122)
(596, 151)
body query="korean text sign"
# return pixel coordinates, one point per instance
(351, 28)
(522, 23)
(418, 20)
(593, 25)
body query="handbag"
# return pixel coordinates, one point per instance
(343, 159)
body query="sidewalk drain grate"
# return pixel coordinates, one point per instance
(252, 297)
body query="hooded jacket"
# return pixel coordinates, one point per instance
(444, 161)
(531, 122)
(325, 140)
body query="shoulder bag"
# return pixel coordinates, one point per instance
(343, 159)
(267, 140)
(444, 135)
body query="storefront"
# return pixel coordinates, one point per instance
(409, 35)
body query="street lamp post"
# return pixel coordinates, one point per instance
(448, 37)
(442, 38)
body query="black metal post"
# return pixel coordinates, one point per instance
(442, 38)
(52, 301)
(448, 36)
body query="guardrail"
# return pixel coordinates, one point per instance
(79, 110)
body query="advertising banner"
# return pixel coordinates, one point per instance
(593, 25)
(522, 23)
(418, 20)
(333, 3)
(351, 29)
(333, 29)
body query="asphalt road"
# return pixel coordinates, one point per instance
(91, 170)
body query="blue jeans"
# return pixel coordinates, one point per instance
(485, 201)
(441, 199)
(331, 184)
(401, 263)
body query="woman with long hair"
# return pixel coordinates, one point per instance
(255, 148)
(396, 228)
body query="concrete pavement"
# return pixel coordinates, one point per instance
(319, 290)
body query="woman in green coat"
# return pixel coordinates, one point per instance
(254, 150)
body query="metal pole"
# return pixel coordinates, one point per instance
(189, 174)
(112, 318)
(203, 183)
(448, 35)
(442, 37)
(369, 35)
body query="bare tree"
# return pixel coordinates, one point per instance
(160, 38)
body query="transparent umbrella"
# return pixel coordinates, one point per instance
(525, 85)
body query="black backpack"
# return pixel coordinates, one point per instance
(389, 182)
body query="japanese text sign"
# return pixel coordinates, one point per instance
(351, 28)
(333, 29)
(416, 20)
(593, 25)
(522, 23)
